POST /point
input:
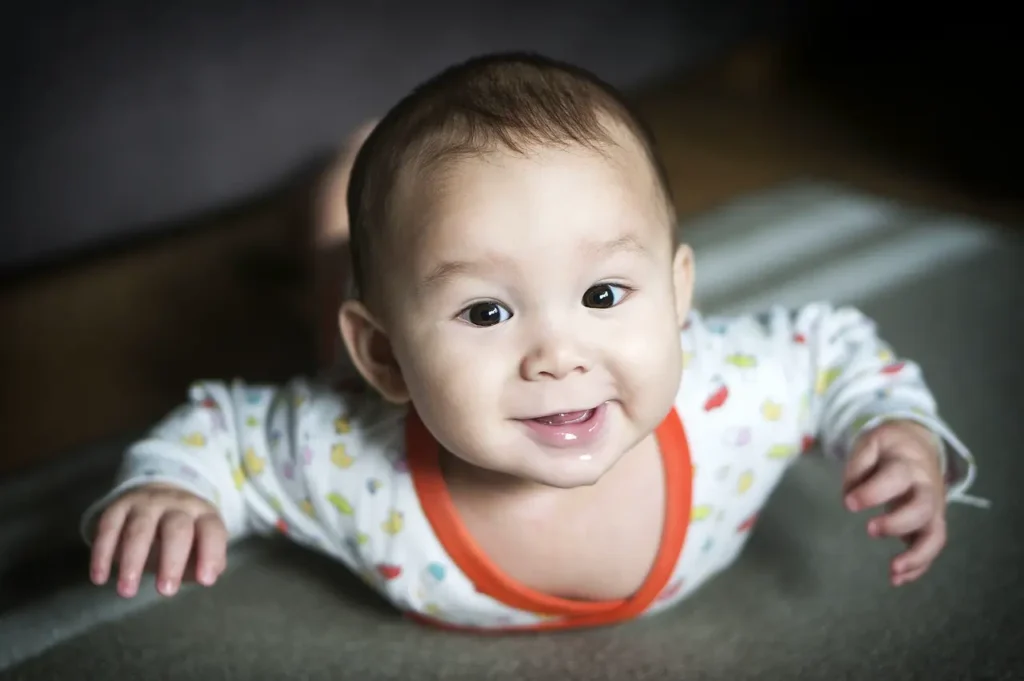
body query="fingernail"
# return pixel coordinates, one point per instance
(851, 503)
(98, 577)
(873, 529)
(167, 587)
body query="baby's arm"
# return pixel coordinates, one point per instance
(199, 465)
(848, 381)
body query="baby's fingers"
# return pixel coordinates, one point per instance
(925, 548)
(891, 481)
(862, 462)
(176, 538)
(908, 577)
(108, 536)
(136, 542)
(211, 548)
(905, 518)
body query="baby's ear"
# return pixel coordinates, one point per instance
(682, 282)
(370, 349)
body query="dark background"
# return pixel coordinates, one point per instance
(125, 117)
(122, 118)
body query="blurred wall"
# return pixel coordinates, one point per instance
(124, 117)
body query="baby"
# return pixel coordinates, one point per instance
(522, 328)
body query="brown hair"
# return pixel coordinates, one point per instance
(510, 100)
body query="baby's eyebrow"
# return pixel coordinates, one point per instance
(626, 242)
(450, 269)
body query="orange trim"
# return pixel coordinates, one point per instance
(424, 466)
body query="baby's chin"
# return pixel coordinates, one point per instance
(519, 461)
(573, 480)
(559, 474)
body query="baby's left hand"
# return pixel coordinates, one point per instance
(897, 465)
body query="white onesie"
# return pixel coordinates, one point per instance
(358, 479)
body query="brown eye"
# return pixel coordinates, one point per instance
(485, 314)
(603, 296)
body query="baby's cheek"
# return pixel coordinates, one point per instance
(455, 383)
(651, 373)
(459, 409)
(437, 384)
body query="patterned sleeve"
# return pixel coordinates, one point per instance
(849, 381)
(233, 446)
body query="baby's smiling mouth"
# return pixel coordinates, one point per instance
(568, 429)
(566, 418)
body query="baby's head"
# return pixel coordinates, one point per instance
(517, 274)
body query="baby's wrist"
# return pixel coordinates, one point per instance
(933, 440)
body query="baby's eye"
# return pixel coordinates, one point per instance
(485, 314)
(604, 296)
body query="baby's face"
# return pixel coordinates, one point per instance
(538, 331)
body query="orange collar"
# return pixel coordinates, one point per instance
(423, 453)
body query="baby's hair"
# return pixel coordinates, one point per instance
(516, 101)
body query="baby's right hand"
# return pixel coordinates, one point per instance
(169, 519)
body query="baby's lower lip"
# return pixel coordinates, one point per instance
(567, 429)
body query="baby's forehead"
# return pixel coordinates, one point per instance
(604, 172)
(519, 207)
(493, 203)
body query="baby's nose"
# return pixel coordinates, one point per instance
(555, 358)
